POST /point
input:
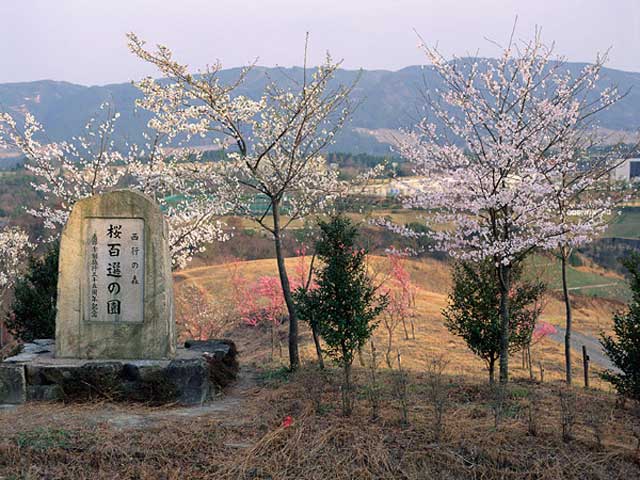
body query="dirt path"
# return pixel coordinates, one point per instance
(226, 407)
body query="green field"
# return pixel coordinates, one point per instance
(580, 281)
(626, 224)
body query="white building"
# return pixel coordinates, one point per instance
(628, 171)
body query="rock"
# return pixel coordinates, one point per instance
(13, 384)
(221, 355)
(140, 324)
(148, 383)
(44, 342)
(35, 348)
(21, 358)
(218, 348)
(45, 393)
(91, 380)
(191, 378)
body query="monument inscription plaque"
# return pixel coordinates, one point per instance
(115, 289)
(114, 266)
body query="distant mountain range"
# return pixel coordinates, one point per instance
(387, 101)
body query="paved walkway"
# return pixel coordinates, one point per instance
(594, 349)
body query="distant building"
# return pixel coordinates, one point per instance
(628, 171)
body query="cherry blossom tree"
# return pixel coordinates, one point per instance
(273, 309)
(583, 198)
(92, 163)
(274, 143)
(501, 127)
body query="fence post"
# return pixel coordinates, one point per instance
(585, 366)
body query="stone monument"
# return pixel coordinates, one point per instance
(115, 289)
(115, 325)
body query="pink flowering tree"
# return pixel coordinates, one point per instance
(400, 293)
(541, 331)
(245, 302)
(273, 308)
(402, 298)
(501, 126)
(260, 302)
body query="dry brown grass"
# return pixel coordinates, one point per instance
(432, 278)
(74, 442)
(248, 440)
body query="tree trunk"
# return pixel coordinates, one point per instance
(404, 326)
(389, 347)
(294, 357)
(347, 406)
(504, 273)
(567, 307)
(1, 326)
(492, 371)
(316, 341)
(273, 341)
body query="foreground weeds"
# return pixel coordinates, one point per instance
(288, 429)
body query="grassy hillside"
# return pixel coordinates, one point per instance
(592, 315)
(280, 426)
(625, 225)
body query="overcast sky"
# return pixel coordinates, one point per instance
(83, 41)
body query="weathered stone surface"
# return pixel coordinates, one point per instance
(44, 393)
(80, 334)
(189, 379)
(21, 358)
(36, 348)
(13, 384)
(219, 348)
(221, 355)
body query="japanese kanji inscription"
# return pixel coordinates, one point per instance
(114, 258)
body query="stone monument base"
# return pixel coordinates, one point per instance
(199, 370)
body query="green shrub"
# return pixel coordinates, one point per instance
(33, 311)
(473, 312)
(345, 303)
(624, 349)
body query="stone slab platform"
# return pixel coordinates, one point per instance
(199, 369)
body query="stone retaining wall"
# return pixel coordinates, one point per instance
(199, 370)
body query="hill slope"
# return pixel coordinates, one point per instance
(592, 314)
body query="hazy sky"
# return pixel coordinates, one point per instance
(83, 41)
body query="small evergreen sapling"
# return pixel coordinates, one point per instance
(473, 312)
(345, 303)
(33, 311)
(624, 349)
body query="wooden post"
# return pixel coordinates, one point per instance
(585, 366)
(541, 372)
